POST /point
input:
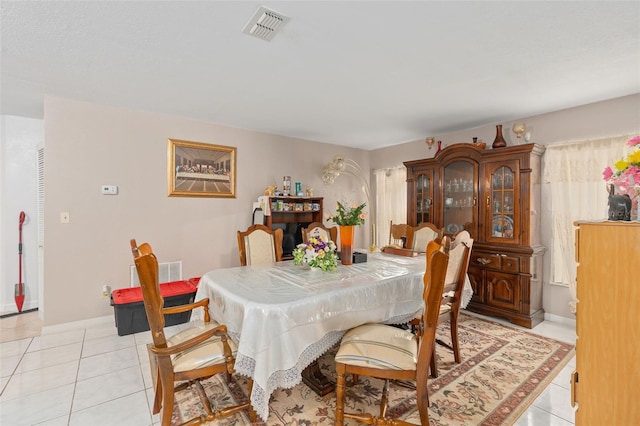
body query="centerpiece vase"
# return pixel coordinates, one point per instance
(346, 244)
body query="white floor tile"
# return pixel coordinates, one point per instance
(538, 417)
(48, 357)
(106, 344)
(151, 394)
(107, 387)
(15, 347)
(107, 362)
(146, 375)
(60, 421)
(130, 410)
(47, 341)
(8, 365)
(557, 401)
(563, 379)
(102, 330)
(37, 408)
(35, 381)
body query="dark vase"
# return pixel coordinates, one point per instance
(499, 141)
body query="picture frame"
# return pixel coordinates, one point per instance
(197, 169)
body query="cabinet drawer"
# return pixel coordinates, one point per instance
(500, 262)
(509, 264)
(485, 260)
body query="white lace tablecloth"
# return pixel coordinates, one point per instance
(284, 316)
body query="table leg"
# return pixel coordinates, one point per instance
(318, 382)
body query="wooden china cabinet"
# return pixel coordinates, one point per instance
(495, 195)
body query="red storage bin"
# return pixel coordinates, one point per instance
(129, 312)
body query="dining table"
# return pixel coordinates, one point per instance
(283, 317)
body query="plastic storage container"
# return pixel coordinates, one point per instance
(129, 310)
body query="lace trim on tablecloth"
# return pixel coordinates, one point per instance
(285, 378)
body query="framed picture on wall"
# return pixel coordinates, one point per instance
(197, 169)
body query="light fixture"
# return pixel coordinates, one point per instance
(341, 165)
(519, 129)
(430, 141)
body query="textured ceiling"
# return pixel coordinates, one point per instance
(365, 74)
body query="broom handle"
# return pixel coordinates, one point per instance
(21, 221)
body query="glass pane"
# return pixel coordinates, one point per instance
(502, 202)
(458, 197)
(423, 199)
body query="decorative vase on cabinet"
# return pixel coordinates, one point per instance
(495, 196)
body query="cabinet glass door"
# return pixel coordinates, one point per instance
(424, 198)
(459, 202)
(502, 202)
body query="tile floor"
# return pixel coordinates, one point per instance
(85, 374)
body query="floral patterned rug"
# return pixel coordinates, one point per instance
(502, 372)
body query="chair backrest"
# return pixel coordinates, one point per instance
(400, 234)
(459, 255)
(437, 260)
(424, 233)
(316, 229)
(259, 245)
(147, 267)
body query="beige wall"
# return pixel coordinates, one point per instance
(89, 145)
(619, 116)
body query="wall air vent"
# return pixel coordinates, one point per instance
(265, 23)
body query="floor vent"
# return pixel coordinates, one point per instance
(167, 272)
(265, 23)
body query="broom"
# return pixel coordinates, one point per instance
(19, 290)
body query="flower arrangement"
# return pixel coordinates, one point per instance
(348, 216)
(626, 172)
(316, 253)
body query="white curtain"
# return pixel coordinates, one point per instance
(578, 192)
(391, 200)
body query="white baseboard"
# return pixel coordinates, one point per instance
(108, 319)
(560, 320)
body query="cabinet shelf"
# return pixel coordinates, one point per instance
(301, 211)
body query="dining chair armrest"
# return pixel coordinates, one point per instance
(220, 331)
(204, 303)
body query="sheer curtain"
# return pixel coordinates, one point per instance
(578, 192)
(391, 200)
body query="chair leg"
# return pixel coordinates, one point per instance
(433, 366)
(252, 412)
(167, 397)
(340, 370)
(384, 401)
(454, 336)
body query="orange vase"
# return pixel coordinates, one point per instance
(346, 244)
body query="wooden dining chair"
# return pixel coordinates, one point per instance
(399, 234)
(260, 245)
(193, 354)
(459, 256)
(424, 233)
(389, 353)
(318, 229)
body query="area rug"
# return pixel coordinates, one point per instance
(503, 370)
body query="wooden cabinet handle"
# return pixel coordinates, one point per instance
(484, 260)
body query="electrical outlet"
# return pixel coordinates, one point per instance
(106, 291)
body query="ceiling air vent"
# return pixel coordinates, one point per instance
(264, 23)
